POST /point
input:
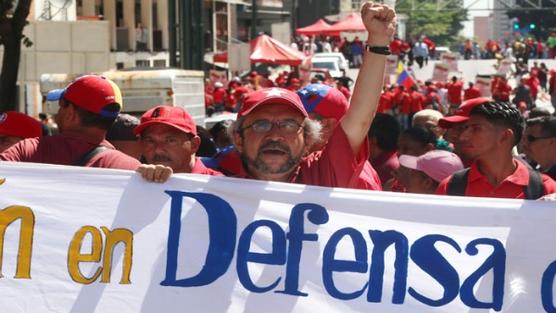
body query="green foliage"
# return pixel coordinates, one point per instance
(439, 21)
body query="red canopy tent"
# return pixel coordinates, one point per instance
(317, 28)
(352, 23)
(265, 49)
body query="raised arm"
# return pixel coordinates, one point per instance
(380, 21)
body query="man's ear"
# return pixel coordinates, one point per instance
(238, 142)
(195, 144)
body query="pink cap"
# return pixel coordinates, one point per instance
(324, 100)
(437, 164)
(15, 124)
(271, 96)
(462, 113)
(175, 117)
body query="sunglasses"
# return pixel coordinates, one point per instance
(532, 138)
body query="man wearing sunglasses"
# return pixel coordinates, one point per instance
(489, 132)
(539, 143)
(273, 133)
(168, 136)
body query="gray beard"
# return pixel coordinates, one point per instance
(259, 166)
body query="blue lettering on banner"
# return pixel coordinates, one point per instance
(546, 288)
(287, 249)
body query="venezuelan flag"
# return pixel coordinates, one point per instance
(404, 79)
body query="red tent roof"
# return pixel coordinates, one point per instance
(265, 49)
(317, 28)
(352, 23)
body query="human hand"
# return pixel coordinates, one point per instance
(380, 22)
(155, 173)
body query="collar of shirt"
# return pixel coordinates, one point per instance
(519, 177)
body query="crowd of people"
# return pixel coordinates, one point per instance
(435, 137)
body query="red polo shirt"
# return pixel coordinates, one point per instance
(335, 166)
(454, 92)
(512, 187)
(66, 149)
(200, 168)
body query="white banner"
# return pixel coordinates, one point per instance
(96, 240)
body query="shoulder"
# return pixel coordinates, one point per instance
(549, 184)
(115, 159)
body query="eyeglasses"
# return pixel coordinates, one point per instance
(288, 126)
(532, 138)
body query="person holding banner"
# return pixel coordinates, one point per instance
(491, 130)
(168, 136)
(273, 133)
(88, 107)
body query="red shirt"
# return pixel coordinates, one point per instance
(200, 168)
(328, 168)
(219, 95)
(385, 164)
(402, 100)
(345, 92)
(67, 149)
(416, 100)
(395, 46)
(502, 91)
(471, 93)
(385, 102)
(454, 92)
(512, 187)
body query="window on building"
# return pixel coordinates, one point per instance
(159, 63)
(142, 63)
(119, 65)
(356, 5)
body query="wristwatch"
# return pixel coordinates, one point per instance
(384, 50)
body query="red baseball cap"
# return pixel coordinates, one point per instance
(15, 124)
(462, 113)
(324, 100)
(92, 93)
(175, 117)
(271, 96)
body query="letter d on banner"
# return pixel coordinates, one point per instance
(222, 223)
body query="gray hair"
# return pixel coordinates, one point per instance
(311, 129)
(429, 113)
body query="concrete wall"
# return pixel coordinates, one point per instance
(60, 47)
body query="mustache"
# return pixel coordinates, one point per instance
(274, 145)
(161, 158)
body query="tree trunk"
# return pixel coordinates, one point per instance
(11, 37)
(10, 67)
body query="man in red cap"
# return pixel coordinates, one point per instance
(327, 105)
(87, 108)
(15, 126)
(491, 130)
(273, 133)
(168, 136)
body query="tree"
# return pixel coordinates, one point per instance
(440, 23)
(13, 18)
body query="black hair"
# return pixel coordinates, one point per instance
(421, 135)
(90, 119)
(538, 112)
(207, 147)
(504, 114)
(122, 128)
(546, 123)
(386, 129)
